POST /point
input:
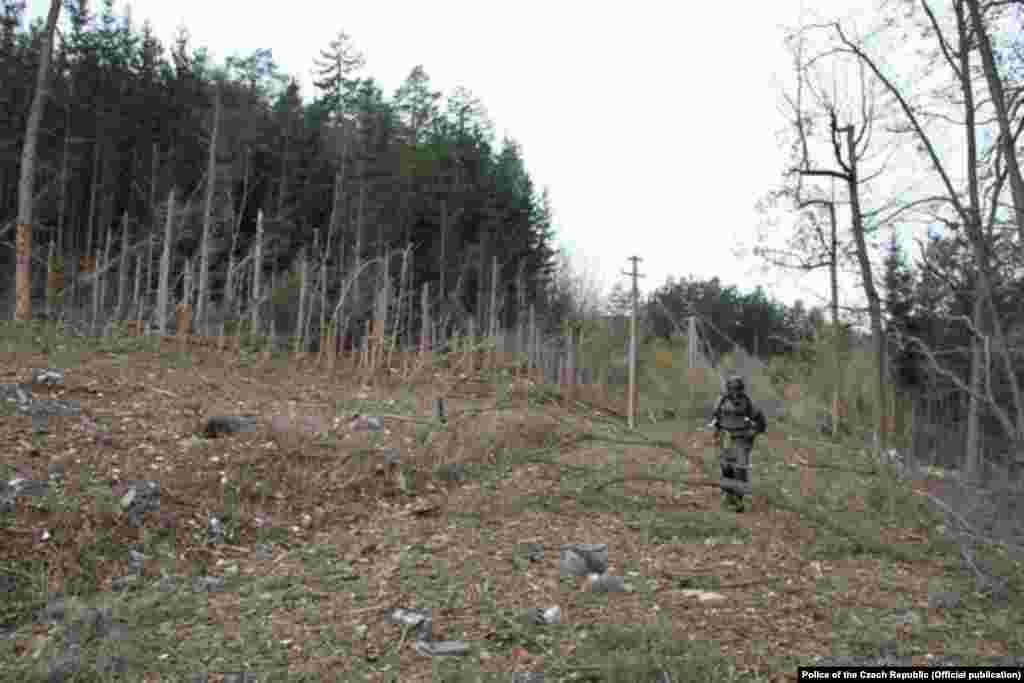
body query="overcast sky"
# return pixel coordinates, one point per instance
(653, 124)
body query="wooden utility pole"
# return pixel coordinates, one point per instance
(632, 344)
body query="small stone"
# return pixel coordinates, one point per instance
(392, 456)
(943, 600)
(595, 555)
(445, 648)
(55, 472)
(606, 583)
(123, 583)
(263, 552)
(207, 584)
(534, 552)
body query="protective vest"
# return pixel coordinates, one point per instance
(733, 413)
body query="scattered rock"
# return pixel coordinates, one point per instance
(137, 499)
(366, 423)
(392, 456)
(40, 424)
(120, 584)
(47, 376)
(221, 425)
(263, 552)
(534, 552)
(239, 677)
(943, 600)
(444, 648)
(420, 619)
(55, 472)
(606, 583)
(216, 533)
(824, 425)
(905, 617)
(455, 471)
(594, 558)
(527, 677)
(544, 617)
(168, 584)
(53, 612)
(207, 584)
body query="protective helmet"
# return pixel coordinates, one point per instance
(735, 385)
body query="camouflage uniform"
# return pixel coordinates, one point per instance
(737, 414)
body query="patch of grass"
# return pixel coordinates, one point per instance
(686, 527)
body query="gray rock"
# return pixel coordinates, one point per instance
(392, 456)
(221, 425)
(200, 677)
(263, 552)
(215, 531)
(527, 677)
(663, 677)
(239, 677)
(444, 648)
(943, 600)
(168, 584)
(139, 499)
(905, 617)
(47, 376)
(55, 472)
(572, 564)
(544, 617)
(207, 584)
(823, 423)
(606, 583)
(29, 487)
(40, 424)
(420, 619)
(54, 611)
(8, 583)
(119, 584)
(91, 619)
(594, 555)
(534, 552)
(455, 471)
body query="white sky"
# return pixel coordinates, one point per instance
(652, 124)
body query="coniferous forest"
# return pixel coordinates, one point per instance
(409, 187)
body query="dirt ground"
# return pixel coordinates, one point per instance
(766, 600)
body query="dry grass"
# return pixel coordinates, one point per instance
(358, 537)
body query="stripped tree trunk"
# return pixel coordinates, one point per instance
(165, 269)
(26, 184)
(122, 271)
(257, 268)
(204, 245)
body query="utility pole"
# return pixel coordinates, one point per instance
(632, 344)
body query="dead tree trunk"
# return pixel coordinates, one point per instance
(204, 245)
(165, 269)
(122, 271)
(26, 184)
(257, 270)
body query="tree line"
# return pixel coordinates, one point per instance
(347, 173)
